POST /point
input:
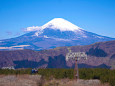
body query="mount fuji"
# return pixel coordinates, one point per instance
(56, 33)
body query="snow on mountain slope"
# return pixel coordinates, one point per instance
(61, 24)
(58, 28)
(56, 23)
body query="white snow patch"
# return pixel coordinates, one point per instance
(61, 24)
(45, 36)
(38, 32)
(58, 39)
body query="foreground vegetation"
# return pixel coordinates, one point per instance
(104, 75)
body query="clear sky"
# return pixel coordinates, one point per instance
(97, 16)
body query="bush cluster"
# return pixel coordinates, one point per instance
(56, 73)
(104, 75)
(12, 72)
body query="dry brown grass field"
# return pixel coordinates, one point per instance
(37, 80)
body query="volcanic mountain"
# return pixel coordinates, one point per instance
(56, 33)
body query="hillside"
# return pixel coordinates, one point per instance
(99, 55)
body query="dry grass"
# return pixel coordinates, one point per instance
(68, 82)
(37, 80)
(19, 80)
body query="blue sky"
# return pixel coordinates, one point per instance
(97, 16)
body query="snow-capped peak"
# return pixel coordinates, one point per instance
(61, 24)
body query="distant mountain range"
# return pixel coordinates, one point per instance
(100, 55)
(56, 33)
